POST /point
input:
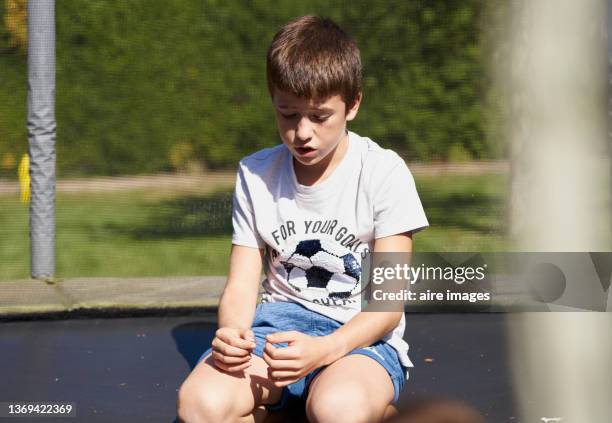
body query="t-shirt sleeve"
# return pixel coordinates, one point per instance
(397, 206)
(243, 219)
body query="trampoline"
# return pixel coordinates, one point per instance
(130, 368)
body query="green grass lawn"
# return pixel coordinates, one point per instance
(465, 213)
(151, 234)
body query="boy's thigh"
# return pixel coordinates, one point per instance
(353, 384)
(243, 391)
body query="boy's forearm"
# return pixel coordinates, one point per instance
(237, 303)
(368, 327)
(361, 331)
(236, 309)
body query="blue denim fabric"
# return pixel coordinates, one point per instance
(287, 316)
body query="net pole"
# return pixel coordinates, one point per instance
(41, 136)
(560, 199)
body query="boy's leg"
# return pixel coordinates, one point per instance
(213, 395)
(355, 388)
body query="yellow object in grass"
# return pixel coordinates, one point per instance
(23, 171)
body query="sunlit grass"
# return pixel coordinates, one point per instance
(143, 233)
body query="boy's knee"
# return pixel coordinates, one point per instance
(198, 405)
(346, 405)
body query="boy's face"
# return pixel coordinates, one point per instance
(311, 129)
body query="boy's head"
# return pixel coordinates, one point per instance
(314, 78)
(313, 58)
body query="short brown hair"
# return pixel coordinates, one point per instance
(312, 57)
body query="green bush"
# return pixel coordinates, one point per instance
(146, 86)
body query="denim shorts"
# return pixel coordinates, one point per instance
(287, 316)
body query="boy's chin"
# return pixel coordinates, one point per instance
(307, 161)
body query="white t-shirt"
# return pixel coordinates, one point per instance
(314, 235)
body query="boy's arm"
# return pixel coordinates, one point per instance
(234, 341)
(368, 327)
(239, 298)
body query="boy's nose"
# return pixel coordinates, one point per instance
(304, 130)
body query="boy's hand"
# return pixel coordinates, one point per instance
(291, 363)
(232, 349)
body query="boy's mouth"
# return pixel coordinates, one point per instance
(304, 150)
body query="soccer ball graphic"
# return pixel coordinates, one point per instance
(321, 266)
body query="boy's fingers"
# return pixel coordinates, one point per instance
(248, 335)
(242, 343)
(227, 349)
(281, 353)
(284, 374)
(283, 336)
(280, 364)
(231, 368)
(229, 359)
(281, 383)
(232, 338)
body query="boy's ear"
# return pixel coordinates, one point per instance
(352, 112)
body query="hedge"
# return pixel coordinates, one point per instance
(147, 86)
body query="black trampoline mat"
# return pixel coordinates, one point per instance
(130, 369)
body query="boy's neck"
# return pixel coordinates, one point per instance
(317, 173)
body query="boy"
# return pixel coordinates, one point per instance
(309, 208)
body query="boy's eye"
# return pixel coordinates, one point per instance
(320, 118)
(315, 118)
